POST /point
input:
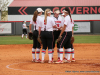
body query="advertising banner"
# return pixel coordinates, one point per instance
(82, 27)
(5, 28)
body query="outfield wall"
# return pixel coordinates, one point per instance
(80, 27)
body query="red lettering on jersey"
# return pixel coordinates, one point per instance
(86, 9)
(58, 21)
(57, 25)
(78, 10)
(94, 10)
(72, 11)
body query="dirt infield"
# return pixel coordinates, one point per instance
(16, 60)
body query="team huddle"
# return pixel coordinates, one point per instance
(48, 30)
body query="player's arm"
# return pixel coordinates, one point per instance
(54, 24)
(30, 27)
(72, 30)
(39, 30)
(63, 29)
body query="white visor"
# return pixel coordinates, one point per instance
(49, 12)
(63, 14)
(40, 10)
(57, 12)
(64, 11)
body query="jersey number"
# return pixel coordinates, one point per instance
(57, 25)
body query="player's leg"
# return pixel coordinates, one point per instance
(50, 44)
(72, 52)
(58, 33)
(68, 48)
(26, 33)
(34, 46)
(54, 39)
(44, 42)
(61, 44)
(38, 49)
(23, 34)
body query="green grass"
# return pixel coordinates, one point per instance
(18, 40)
(14, 40)
(87, 39)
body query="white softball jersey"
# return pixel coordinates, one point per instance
(58, 22)
(68, 23)
(39, 23)
(50, 23)
(24, 26)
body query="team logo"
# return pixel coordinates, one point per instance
(75, 27)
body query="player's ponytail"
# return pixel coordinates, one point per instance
(67, 9)
(46, 14)
(35, 16)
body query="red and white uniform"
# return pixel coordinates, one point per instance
(39, 23)
(58, 22)
(24, 26)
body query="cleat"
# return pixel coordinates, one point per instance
(33, 60)
(59, 62)
(65, 60)
(73, 59)
(42, 61)
(39, 60)
(50, 62)
(68, 61)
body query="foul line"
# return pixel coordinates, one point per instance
(8, 66)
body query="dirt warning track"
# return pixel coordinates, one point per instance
(16, 60)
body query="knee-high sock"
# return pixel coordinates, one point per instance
(72, 51)
(50, 54)
(37, 53)
(33, 53)
(43, 53)
(26, 35)
(61, 53)
(22, 35)
(68, 53)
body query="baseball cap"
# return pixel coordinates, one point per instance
(40, 10)
(64, 11)
(49, 12)
(57, 12)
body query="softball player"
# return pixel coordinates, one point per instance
(66, 35)
(36, 21)
(47, 35)
(56, 31)
(72, 49)
(24, 29)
